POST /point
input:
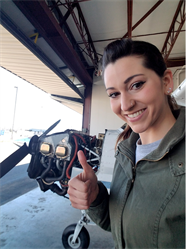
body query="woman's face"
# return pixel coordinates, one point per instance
(137, 94)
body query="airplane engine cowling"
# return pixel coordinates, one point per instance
(54, 156)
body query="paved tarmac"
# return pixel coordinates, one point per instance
(34, 219)
(37, 220)
(15, 183)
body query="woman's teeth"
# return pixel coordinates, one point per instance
(134, 115)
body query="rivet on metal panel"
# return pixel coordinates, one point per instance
(180, 165)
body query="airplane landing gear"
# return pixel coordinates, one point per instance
(76, 236)
(82, 241)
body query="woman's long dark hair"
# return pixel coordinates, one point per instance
(152, 59)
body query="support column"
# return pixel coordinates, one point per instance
(87, 109)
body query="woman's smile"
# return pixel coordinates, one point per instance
(135, 114)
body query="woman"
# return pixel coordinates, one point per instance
(145, 208)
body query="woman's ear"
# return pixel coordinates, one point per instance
(168, 82)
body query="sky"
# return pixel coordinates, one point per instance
(33, 107)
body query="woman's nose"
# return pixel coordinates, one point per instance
(126, 103)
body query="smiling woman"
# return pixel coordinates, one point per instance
(140, 99)
(137, 70)
(146, 204)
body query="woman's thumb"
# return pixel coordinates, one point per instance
(83, 161)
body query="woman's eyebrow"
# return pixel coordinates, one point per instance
(126, 81)
(131, 77)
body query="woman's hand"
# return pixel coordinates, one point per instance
(83, 189)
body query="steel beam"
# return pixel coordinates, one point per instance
(129, 17)
(149, 34)
(80, 101)
(87, 109)
(67, 14)
(179, 17)
(176, 62)
(39, 14)
(62, 22)
(145, 16)
(59, 3)
(83, 31)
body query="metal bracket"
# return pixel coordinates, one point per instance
(83, 221)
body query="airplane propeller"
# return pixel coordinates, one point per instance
(11, 161)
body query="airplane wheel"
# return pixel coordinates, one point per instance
(82, 241)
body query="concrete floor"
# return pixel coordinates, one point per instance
(37, 220)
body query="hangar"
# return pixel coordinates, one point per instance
(57, 45)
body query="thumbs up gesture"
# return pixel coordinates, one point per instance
(83, 189)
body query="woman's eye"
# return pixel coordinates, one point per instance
(113, 95)
(138, 85)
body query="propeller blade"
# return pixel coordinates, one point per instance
(49, 129)
(11, 161)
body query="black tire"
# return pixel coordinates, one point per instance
(83, 239)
